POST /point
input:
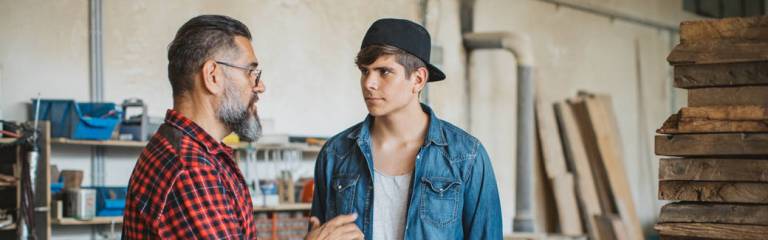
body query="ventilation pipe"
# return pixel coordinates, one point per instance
(520, 46)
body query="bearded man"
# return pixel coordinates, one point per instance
(186, 183)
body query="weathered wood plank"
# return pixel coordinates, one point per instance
(720, 75)
(567, 209)
(745, 170)
(726, 112)
(751, 28)
(716, 144)
(549, 136)
(611, 227)
(691, 212)
(717, 119)
(726, 192)
(576, 155)
(665, 237)
(730, 96)
(557, 171)
(605, 128)
(713, 230)
(545, 208)
(719, 52)
(675, 125)
(722, 126)
(589, 143)
(670, 126)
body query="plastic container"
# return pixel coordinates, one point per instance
(110, 201)
(69, 119)
(80, 203)
(57, 187)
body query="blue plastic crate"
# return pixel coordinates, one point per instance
(110, 201)
(94, 121)
(56, 187)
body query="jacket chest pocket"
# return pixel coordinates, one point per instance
(439, 200)
(344, 193)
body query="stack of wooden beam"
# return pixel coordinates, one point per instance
(719, 142)
(583, 167)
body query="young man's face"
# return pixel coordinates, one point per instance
(386, 87)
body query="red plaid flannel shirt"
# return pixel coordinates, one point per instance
(186, 185)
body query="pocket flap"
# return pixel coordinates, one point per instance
(440, 184)
(341, 183)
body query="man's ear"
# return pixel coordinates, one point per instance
(212, 82)
(420, 77)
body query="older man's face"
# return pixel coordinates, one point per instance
(237, 108)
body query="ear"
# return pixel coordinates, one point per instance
(212, 82)
(419, 78)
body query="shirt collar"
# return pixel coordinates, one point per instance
(195, 132)
(434, 132)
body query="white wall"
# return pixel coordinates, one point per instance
(43, 49)
(307, 50)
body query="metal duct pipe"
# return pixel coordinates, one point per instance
(606, 12)
(95, 60)
(520, 46)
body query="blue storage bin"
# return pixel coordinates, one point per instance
(110, 201)
(94, 121)
(56, 187)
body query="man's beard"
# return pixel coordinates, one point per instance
(237, 117)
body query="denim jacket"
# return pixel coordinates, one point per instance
(453, 190)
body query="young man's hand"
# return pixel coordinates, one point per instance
(342, 228)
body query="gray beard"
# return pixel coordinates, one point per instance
(237, 117)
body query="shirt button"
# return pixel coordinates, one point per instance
(338, 187)
(418, 156)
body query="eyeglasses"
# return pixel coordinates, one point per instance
(252, 72)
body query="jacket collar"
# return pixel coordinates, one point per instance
(434, 133)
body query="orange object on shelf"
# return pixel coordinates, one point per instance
(308, 191)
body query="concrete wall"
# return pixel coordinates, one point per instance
(307, 50)
(43, 49)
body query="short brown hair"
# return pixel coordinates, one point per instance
(369, 54)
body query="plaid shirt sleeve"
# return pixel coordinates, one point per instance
(198, 207)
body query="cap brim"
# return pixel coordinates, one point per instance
(435, 74)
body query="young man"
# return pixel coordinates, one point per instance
(408, 174)
(186, 184)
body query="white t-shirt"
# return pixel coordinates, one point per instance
(390, 205)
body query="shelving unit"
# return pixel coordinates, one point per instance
(105, 143)
(140, 144)
(10, 156)
(303, 207)
(41, 184)
(94, 221)
(288, 221)
(284, 208)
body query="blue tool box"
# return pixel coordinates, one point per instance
(110, 201)
(69, 119)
